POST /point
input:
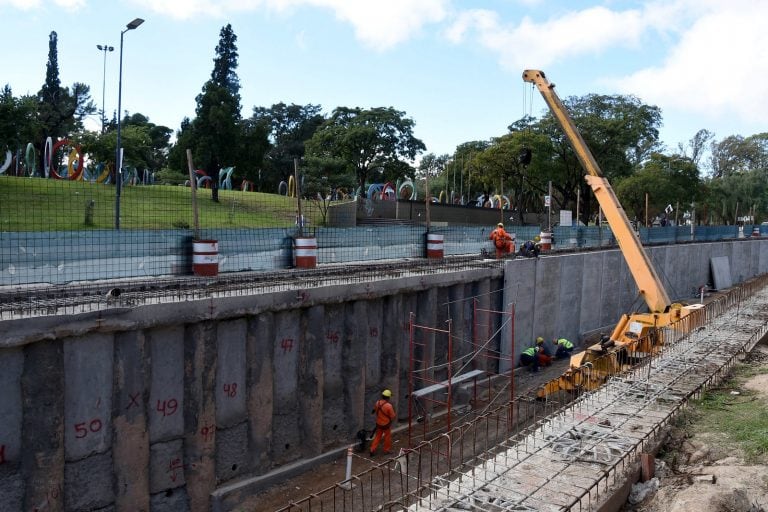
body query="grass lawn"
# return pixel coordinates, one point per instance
(35, 204)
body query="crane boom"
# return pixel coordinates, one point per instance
(643, 272)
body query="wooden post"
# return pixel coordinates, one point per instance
(646, 210)
(426, 197)
(193, 187)
(299, 218)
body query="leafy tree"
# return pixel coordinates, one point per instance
(216, 130)
(289, 127)
(18, 120)
(368, 139)
(697, 145)
(463, 164)
(736, 154)
(666, 179)
(435, 166)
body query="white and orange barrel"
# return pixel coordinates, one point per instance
(205, 258)
(305, 252)
(546, 241)
(434, 245)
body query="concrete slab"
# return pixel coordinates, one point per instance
(286, 441)
(310, 380)
(171, 500)
(166, 466)
(610, 308)
(11, 487)
(569, 299)
(333, 379)
(372, 339)
(547, 304)
(260, 352)
(518, 290)
(231, 459)
(88, 483)
(88, 395)
(721, 272)
(591, 292)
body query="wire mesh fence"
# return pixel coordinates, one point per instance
(59, 231)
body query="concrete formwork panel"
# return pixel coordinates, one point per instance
(201, 360)
(131, 440)
(230, 373)
(88, 483)
(88, 395)
(481, 321)
(610, 308)
(425, 341)
(409, 303)
(166, 466)
(519, 276)
(286, 440)
(12, 364)
(260, 353)
(762, 256)
(166, 392)
(42, 435)
(171, 500)
(310, 381)
(231, 459)
(392, 335)
(11, 487)
(569, 299)
(461, 335)
(547, 301)
(356, 404)
(372, 338)
(591, 292)
(741, 258)
(333, 382)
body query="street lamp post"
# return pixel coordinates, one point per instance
(104, 48)
(118, 150)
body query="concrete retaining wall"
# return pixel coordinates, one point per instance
(155, 407)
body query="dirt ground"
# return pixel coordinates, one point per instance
(326, 475)
(705, 471)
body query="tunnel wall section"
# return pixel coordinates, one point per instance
(155, 407)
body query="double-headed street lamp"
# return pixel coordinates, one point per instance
(104, 48)
(118, 151)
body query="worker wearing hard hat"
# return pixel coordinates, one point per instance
(544, 355)
(564, 348)
(385, 415)
(531, 248)
(529, 358)
(502, 241)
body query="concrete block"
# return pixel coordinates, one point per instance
(610, 309)
(353, 366)
(391, 343)
(547, 301)
(170, 500)
(12, 364)
(519, 274)
(130, 448)
(286, 438)
(88, 483)
(88, 394)
(231, 373)
(231, 459)
(166, 469)
(166, 395)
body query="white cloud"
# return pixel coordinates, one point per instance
(542, 43)
(24, 5)
(379, 24)
(717, 68)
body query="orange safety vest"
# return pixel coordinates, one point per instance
(499, 237)
(385, 413)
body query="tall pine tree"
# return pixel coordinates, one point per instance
(216, 129)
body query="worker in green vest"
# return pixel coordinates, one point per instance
(564, 348)
(529, 357)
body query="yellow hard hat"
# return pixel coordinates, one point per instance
(539, 340)
(537, 238)
(386, 393)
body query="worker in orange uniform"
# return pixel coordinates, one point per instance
(501, 240)
(385, 415)
(543, 354)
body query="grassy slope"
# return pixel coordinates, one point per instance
(34, 204)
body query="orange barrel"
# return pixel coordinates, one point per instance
(305, 251)
(546, 241)
(434, 245)
(756, 232)
(205, 257)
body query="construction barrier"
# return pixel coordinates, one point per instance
(434, 246)
(756, 232)
(205, 258)
(546, 241)
(305, 252)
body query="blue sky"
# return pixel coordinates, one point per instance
(453, 66)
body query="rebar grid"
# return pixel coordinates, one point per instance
(542, 455)
(35, 301)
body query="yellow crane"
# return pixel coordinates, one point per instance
(635, 333)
